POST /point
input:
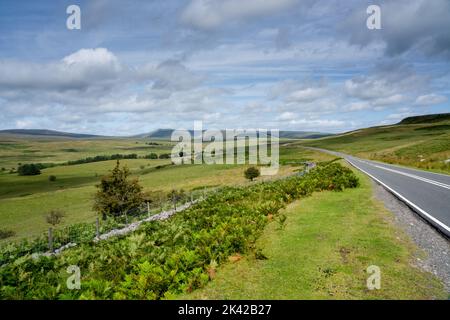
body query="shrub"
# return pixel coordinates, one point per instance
(29, 170)
(164, 156)
(4, 234)
(151, 156)
(252, 173)
(117, 195)
(55, 217)
(102, 158)
(176, 195)
(52, 178)
(155, 197)
(163, 258)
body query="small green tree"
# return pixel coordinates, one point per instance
(29, 170)
(152, 156)
(252, 173)
(55, 217)
(164, 156)
(117, 195)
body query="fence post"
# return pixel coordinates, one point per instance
(97, 227)
(148, 209)
(50, 239)
(192, 198)
(174, 203)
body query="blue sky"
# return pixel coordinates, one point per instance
(285, 64)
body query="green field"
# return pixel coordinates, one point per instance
(419, 145)
(16, 149)
(323, 251)
(320, 252)
(25, 200)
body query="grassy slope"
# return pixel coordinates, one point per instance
(17, 149)
(424, 146)
(322, 253)
(24, 201)
(25, 214)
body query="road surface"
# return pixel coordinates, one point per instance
(425, 192)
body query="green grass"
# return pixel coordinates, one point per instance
(323, 251)
(16, 149)
(25, 200)
(73, 176)
(424, 146)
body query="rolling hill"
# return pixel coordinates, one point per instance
(431, 118)
(421, 142)
(165, 134)
(45, 133)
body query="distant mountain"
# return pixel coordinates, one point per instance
(157, 134)
(429, 118)
(162, 134)
(165, 134)
(303, 135)
(46, 133)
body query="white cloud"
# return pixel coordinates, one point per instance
(24, 124)
(318, 124)
(169, 75)
(408, 25)
(291, 91)
(389, 84)
(286, 116)
(78, 71)
(210, 14)
(306, 95)
(357, 106)
(430, 99)
(391, 100)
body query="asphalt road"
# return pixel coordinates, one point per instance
(425, 192)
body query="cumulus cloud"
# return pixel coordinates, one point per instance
(388, 84)
(226, 61)
(406, 25)
(210, 14)
(430, 99)
(93, 82)
(171, 75)
(302, 92)
(78, 71)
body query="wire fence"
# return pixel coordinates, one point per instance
(56, 239)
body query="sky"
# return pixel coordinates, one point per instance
(304, 65)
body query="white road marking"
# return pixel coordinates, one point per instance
(410, 203)
(412, 169)
(439, 184)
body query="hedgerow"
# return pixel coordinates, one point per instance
(165, 258)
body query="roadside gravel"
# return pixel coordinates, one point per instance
(433, 243)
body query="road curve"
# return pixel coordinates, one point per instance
(426, 193)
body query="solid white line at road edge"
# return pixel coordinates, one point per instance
(420, 210)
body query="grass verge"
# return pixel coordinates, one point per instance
(323, 251)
